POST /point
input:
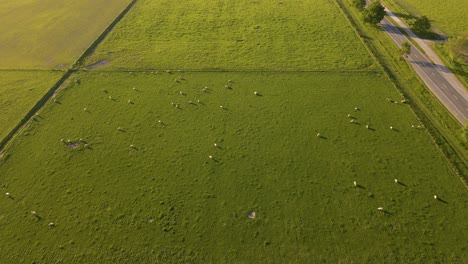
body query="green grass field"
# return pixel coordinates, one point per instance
(51, 34)
(19, 92)
(234, 35)
(449, 15)
(165, 200)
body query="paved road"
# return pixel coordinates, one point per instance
(437, 77)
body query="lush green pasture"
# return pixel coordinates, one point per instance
(53, 33)
(19, 92)
(166, 200)
(233, 35)
(447, 15)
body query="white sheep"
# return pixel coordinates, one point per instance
(318, 134)
(198, 101)
(7, 194)
(129, 101)
(222, 107)
(396, 180)
(367, 126)
(182, 93)
(216, 145)
(355, 184)
(132, 146)
(356, 108)
(211, 157)
(435, 197)
(349, 115)
(51, 224)
(33, 213)
(380, 209)
(391, 127)
(85, 109)
(110, 97)
(351, 121)
(256, 93)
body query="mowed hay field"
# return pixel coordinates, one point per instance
(233, 35)
(51, 34)
(165, 200)
(19, 92)
(450, 16)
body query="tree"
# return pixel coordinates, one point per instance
(422, 24)
(405, 49)
(374, 13)
(359, 4)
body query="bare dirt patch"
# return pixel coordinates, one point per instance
(98, 64)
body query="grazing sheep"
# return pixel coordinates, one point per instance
(216, 145)
(396, 180)
(351, 121)
(355, 184)
(177, 106)
(391, 127)
(181, 93)
(81, 140)
(190, 102)
(55, 101)
(435, 197)
(134, 89)
(159, 121)
(198, 101)
(211, 157)
(380, 209)
(33, 213)
(222, 107)
(256, 93)
(132, 146)
(7, 194)
(356, 108)
(367, 126)
(129, 101)
(318, 134)
(51, 224)
(349, 115)
(229, 81)
(85, 109)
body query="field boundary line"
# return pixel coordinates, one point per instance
(4, 142)
(227, 71)
(102, 36)
(35, 108)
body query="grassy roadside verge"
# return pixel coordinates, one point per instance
(444, 129)
(407, 14)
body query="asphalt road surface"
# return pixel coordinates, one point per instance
(437, 77)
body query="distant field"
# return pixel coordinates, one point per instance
(450, 16)
(19, 92)
(165, 200)
(234, 35)
(51, 34)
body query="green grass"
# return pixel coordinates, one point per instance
(51, 35)
(448, 16)
(19, 92)
(234, 35)
(444, 128)
(167, 201)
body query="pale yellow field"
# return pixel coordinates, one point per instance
(51, 33)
